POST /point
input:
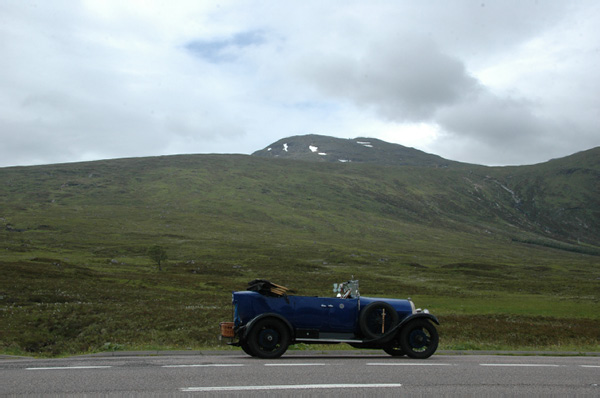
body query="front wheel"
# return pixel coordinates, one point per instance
(268, 338)
(419, 339)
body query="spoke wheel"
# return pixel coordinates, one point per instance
(268, 338)
(419, 339)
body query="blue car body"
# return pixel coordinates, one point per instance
(264, 324)
(327, 314)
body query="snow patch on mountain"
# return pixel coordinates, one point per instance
(314, 149)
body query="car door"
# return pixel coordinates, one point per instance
(342, 314)
(326, 314)
(310, 312)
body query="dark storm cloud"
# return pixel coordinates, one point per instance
(414, 81)
(493, 77)
(407, 81)
(493, 120)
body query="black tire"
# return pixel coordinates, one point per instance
(246, 349)
(419, 339)
(268, 338)
(376, 319)
(394, 349)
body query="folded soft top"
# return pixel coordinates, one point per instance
(267, 288)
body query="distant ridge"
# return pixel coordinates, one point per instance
(319, 148)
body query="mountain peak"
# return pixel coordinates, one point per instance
(319, 148)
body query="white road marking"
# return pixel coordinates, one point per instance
(407, 364)
(286, 387)
(70, 367)
(532, 365)
(590, 366)
(295, 364)
(214, 365)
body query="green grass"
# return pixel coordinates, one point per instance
(76, 278)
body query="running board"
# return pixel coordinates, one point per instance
(327, 341)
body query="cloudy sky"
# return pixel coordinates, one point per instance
(489, 82)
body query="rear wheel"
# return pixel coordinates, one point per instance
(268, 338)
(419, 339)
(393, 348)
(246, 349)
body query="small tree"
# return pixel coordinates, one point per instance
(157, 254)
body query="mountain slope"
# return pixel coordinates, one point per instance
(559, 199)
(320, 148)
(554, 200)
(561, 196)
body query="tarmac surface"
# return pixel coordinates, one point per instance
(315, 373)
(313, 353)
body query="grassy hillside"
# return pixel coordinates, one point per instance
(562, 197)
(481, 247)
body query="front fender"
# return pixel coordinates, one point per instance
(419, 315)
(244, 330)
(388, 336)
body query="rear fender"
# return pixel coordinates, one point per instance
(244, 330)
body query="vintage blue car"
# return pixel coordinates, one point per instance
(266, 320)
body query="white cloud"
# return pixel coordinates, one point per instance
(491, 82)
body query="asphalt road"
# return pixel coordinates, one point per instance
(301, 374)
